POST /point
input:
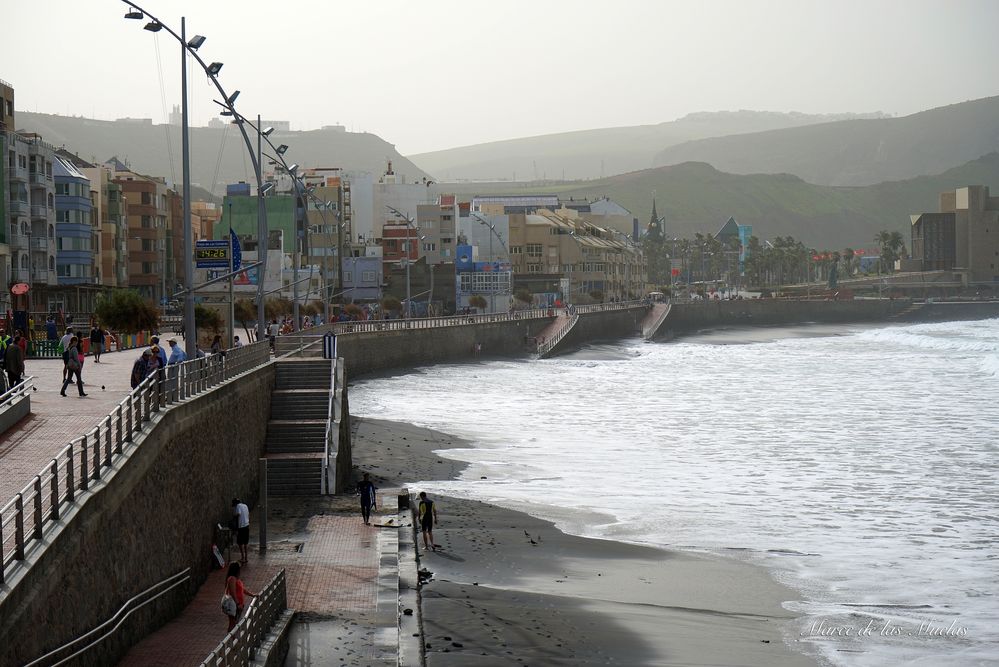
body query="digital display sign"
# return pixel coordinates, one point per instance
(211, 254)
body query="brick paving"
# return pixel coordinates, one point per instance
(331, 563)
(31, 444)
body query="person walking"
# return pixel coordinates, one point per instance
(140, 369)
(96, 342)
(368, 500)
(63, 344)
(13, 359)
(217, 347)
(235, 589)
(158, 351)
(236, 342)
(154, 361)
(241, 517)
(428, 517)
(72, 366)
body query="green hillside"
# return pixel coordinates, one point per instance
(695, 197)
(155, 149)
(595, 153)
(855, 152)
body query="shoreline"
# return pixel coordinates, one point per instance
(508, 588)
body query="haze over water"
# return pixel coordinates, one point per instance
(859, 465)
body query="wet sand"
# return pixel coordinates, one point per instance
(510, 589)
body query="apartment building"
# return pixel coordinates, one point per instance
(147, 209)
(963, 237)
(77, 234)
(31, 213)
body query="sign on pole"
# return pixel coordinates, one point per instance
(211, 254)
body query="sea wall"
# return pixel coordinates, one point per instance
(153, 517)
(380, 351)
(695, 315)
(602, 325)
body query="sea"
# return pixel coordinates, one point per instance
(858, 464)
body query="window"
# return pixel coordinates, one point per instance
(427, 224)
(149, 267)
(348, 277)
(534, 249)
(22, 161)
(62, 188)
(552, 251)
(62, 216)
(446, 218)
(429, 247)
(147, 222)
(534, 268)
(369, 276)
(446, 241)
(147, 199)
(486, 281)
(516, 250)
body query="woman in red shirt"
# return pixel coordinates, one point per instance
(235, 588)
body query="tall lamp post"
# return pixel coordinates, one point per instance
(191, 47)
(492, 229)
(410, 225)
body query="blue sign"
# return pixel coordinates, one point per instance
(237, 252)
(463, 258)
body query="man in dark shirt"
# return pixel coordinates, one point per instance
(428, 517)
(367, 491)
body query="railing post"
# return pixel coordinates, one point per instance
(55, 489)
(19, 527)
(118, 429)
(107, 443)
(97, 454)
(84, 475)
(37, 486)
(70, 475)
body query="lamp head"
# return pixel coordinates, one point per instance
(266, 187)
(153, 26)
(292, 169)
(280, 150)
(267, 131)
(214, 68)
(196, 42)
(232, 98)
(135, 14)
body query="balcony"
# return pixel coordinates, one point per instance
(39, 212)
(18, 207)
(19, 174)
(40, 243)
(43, 276)
(19, 276)
(37, 179)
(17, 241)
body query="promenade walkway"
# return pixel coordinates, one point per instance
(331, 561)
(30, 445)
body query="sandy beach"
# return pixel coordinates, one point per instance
(510, 589)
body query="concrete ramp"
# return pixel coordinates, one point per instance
(553, 334)
(654, 321)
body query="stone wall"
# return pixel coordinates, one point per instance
(152, 518)
(380, 351)
(603, 325)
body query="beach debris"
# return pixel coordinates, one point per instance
(408, 612)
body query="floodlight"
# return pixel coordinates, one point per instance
(232, 98)
(134, 14)
(214, 68)
(153, 26)
(196, 42)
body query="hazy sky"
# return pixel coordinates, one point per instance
(439, 73)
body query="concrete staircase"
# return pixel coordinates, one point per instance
(296, 433)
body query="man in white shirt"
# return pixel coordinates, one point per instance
(63, 344)
(241, 514)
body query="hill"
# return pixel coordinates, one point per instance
(155, 149)
(855, 152)
(696, 197)
(595, 153)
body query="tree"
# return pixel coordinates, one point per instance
(125, 311)
(245, 311)
(207, 318)
(892, 247)
(277, 308)
(477, 301)
(390, 302)
(523, 295)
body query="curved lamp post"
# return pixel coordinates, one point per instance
(211, 70)
(493, 232)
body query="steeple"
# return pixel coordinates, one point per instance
(655, 230)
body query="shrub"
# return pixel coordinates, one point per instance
(477, 301)
(390, 302)
(207, 318)
(523, 295)
(125, 311)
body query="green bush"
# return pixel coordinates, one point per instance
(124, 311)
(391, 303)
(206, 318)
(477, 301)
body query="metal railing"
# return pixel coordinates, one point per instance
(652, 328)
(130, 607)
(240, 646)
(82, 462)
(17, 391)
(548, 345)
(333, 419)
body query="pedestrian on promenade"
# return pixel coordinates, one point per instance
(235, 589)
(241, 517)
(22, 340)
(159, 351)
(177, 355)
(63, 344)
(273, 329)
(236, 342)
(72, 365)
(368, 500)
(13, 361)
(50, 329)
(96, 342)
(217, 347)
(140, 369)
(153, 364)
(428, 517)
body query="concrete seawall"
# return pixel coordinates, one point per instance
(379, 351)
(692, 316)
(152, 518)
(602, 325)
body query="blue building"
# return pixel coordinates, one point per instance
(74, 231)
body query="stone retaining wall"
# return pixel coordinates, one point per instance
(151, 519)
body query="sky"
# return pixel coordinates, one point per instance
(437, 74)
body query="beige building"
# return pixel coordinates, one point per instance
(963, 237)
(148, 210)
(558, 249)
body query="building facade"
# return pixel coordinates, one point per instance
(32, 213)
(147, 209)
(75, 234)
(962, 237)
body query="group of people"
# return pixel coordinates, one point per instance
(73, 355)
(426, 509)
(155, 357)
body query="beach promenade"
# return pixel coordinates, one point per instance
(55, 420)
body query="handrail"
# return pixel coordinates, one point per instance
(553, 340)
(174, 580)
(19, 389)
(652, 328)
(240, 645)
(330, 417)
(82, 462)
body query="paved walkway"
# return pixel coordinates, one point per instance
(30, 445)
(331, 561)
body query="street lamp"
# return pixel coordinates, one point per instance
(410, 224)
(155, 25)
(493, 232)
